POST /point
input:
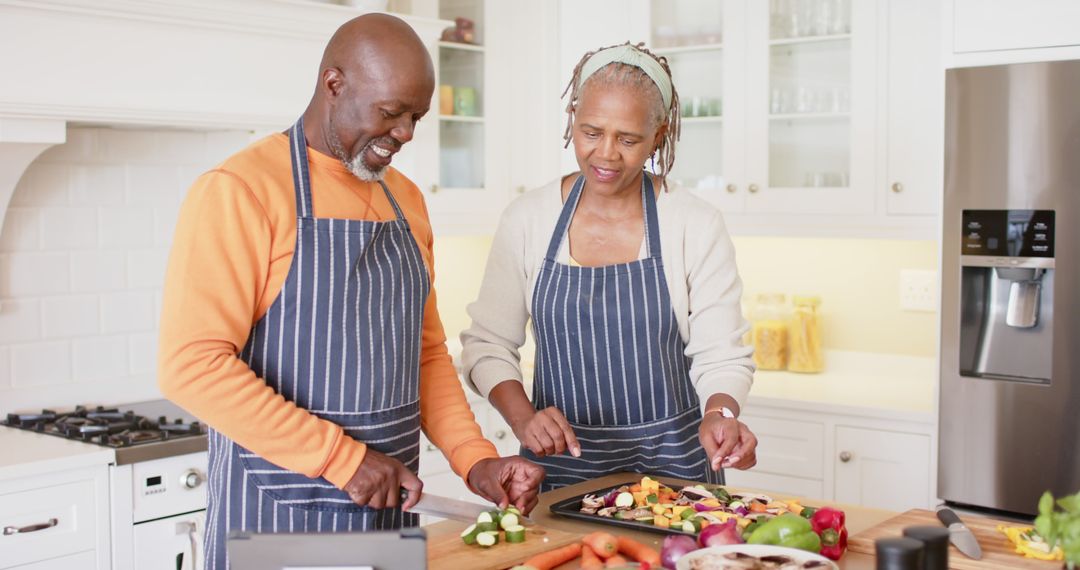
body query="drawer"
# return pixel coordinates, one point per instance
(772, 484)
(788, 447)
(81, 560)
(67, 513)
(432, 460)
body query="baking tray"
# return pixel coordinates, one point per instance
(571, 508)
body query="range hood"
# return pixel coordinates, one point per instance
(191, 64)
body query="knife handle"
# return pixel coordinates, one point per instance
(948, 517)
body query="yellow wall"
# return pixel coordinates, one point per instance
(857, 280)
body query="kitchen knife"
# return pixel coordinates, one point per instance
(959, 534)
(447, 508)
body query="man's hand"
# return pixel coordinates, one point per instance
(547, 433)
(379, 480)
(727, 442)
(508, 480)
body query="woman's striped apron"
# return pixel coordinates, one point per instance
(609, 355)
(342, 340)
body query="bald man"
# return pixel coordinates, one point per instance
(299, 320)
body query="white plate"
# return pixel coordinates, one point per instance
(754, 550)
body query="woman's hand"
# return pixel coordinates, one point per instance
(547, 432)
(728, 442)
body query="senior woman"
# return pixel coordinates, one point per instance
(633, 294)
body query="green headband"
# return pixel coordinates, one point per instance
(629, 55)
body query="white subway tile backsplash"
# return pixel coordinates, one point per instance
(126, 227)
(128, 311)
(223, 144)
(22, 230)
(70, 315)
(40, 364)
(164, 225)
(143, 350)
(97, 185)
(20, 320)
(81, 146)
(97, 271)
(179, 147)
(43, 184)
(34, 273)
(69, 228)
(188, 176)
(5, 368)
(146, 268)
(99, 358)
(151, 184)
(124, 146)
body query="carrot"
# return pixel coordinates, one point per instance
(638, 551)
(756, 507)
(616, 562)
(589, 559)
(552, 558)
(603, 544)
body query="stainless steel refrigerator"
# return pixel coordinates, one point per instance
(1010, 305)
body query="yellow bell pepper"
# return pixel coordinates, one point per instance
(1030, 546)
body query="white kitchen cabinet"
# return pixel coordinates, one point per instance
(51, 520)
(981, 25)
(882, 469)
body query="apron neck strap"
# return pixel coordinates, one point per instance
(302, 176)
(648, 203)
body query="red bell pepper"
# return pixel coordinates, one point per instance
(828, 523)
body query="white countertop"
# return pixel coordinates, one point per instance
(27, 453)
(903, 387)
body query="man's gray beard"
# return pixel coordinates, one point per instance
(355, 165)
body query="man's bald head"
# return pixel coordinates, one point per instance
(376, 80)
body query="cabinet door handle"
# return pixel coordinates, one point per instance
(753, 188)
(845, 456)
(431, 447)
(30, 528)
(520, 189)
(731, 188)
(897, 187)
(501, 434)
(434, 188)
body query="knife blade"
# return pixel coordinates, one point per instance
(959, 534)
(455, 509)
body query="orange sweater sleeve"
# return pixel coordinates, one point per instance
(231, 250)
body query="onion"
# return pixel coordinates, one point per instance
(609, 499)
(675, 547)
(742, 511)
(698, 507)
(720, 534)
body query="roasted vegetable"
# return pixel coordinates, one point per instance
(788, 530)
(828, 523)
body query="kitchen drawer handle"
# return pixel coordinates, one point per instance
(501, 434)
(897, 187)
(431, 447)
(434, 188)
(753, 188)
(731, 188)
(30, 528)
(845, 456)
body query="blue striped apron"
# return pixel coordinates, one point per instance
(342, 340)
(609, 356)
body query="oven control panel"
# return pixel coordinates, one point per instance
(168, 486)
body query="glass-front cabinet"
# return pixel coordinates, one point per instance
(777, 101)
(461, 96)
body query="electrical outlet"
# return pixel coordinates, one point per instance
(918, 290)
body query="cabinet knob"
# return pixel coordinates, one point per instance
(731, 188)
(845, 456)
(520, 189)
(192, 478)
(897, 187)
(753, 188)
(434, 188)
(431, 447)
(501, 434)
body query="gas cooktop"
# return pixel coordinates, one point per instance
(139, 432)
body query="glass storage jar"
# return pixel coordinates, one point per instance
(769, 332)
(804, 336)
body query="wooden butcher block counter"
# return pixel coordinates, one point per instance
(446, 550)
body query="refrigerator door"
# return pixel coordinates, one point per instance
(1010, 344)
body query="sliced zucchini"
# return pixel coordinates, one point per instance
(485, 517)
(487, 527)
(624, 500)
(513, 509)
(508, 520)
(469, 534)
(515, 534)
(486, 539)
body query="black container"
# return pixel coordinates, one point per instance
(898, 554)
(935, 541)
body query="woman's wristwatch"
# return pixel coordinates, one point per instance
(723, 411)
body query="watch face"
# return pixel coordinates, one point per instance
(727, 413)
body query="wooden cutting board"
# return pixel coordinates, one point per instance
(448, 551)
(997, 551)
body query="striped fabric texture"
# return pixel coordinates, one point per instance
(610, 357)
(341, 340)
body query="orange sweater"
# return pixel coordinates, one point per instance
(232, 250)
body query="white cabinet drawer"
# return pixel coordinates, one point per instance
(69, 562)
(775, 484)
(882, 469)
(432, 460)
(786, 447)
(67, 512)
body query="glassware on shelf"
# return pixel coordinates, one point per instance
(446, 99)
(792, 19)
(701, 107)
(806, 353)
(465, 101)
(769, 332)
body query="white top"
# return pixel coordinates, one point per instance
(27, 453)
(699, 266)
